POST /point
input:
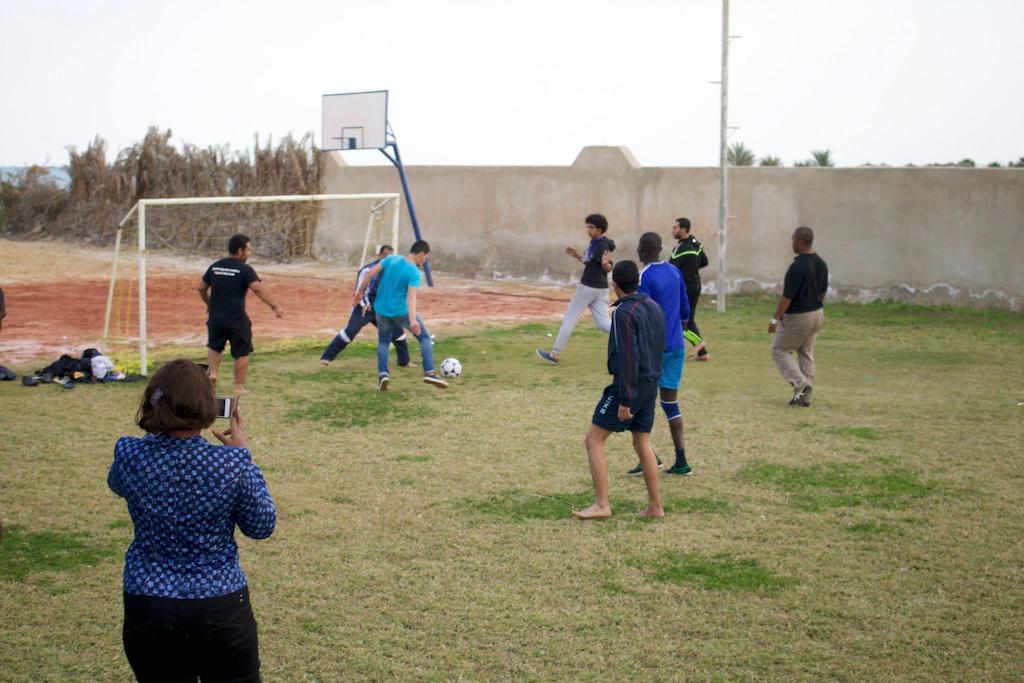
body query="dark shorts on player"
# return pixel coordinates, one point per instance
(238, 332)
(606, 414)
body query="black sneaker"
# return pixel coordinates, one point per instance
(639, 469)
(804, 397)
(382, 383)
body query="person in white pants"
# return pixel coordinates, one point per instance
(592, 291)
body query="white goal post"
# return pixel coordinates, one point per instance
(377, 202)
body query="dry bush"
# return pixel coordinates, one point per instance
(102, 192)
(30, 201)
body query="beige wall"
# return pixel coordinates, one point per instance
(927, 235)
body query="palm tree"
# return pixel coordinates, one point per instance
(771, 161)
(740, 155)
(822, 157)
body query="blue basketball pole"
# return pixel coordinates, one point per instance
(397, 161)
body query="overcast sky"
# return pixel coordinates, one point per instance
(524, 81)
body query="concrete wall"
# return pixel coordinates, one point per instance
(926, 235)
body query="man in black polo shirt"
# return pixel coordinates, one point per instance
(689, 257)
(799, 317)
(223, 289)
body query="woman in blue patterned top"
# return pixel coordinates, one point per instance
(186, 605)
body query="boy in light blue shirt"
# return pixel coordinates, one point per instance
(396, 305)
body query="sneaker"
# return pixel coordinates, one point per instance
(547, 356)
(382, 383)
(435, 380)
(639, 469)
(684, 471)
(804, 397)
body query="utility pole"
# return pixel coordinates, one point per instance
(723, 160)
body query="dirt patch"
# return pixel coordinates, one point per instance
(56, 306)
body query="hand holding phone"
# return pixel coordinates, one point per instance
(234, 435)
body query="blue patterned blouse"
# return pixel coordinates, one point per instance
(185, 497)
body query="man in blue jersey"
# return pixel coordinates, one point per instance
(662, 282)
(363, 315)
(400, 279)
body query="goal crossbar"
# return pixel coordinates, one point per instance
(379, 199)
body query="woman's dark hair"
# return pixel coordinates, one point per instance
(236, 243)
(179, 396)
(598, 221)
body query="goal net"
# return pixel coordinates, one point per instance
(189, 232)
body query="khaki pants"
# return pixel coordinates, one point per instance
(797, 332)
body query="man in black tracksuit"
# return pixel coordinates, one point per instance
(636, 343)
(689, 258)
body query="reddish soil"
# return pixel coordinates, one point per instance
(45, 319)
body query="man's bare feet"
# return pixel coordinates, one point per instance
(595, 511)
(240, 389)
(325, 363)
(652, 512)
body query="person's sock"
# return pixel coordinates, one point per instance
(680, 457)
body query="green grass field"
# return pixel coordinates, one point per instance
(426, 535)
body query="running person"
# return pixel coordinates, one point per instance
(223, 289)
(396, 306)
(662, 282)
(363, 315)
(592, 291)
(689, 258)
(635, 348)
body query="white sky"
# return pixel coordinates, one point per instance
(523, 81)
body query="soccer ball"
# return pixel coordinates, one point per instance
(451, 368)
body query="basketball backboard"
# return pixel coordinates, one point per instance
(355, 120)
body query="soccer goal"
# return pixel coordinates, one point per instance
(282, 227)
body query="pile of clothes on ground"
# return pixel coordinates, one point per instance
(67, 370)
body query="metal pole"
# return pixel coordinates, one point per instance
(723, 159)
(143, 365)
(395, 218)
(397, 161)
(110, 290)
(366, 240)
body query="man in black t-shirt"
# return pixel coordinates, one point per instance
(689, 257)
(799, 317)
(592, 291)
(223, 289)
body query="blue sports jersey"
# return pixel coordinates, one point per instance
(395, 279)
(662, 282)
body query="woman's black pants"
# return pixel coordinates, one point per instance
(210, 639)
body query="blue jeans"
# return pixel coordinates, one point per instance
(385, 327)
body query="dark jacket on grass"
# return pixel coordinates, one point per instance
(635, 345)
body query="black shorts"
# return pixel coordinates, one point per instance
(606, 414)
(238, 332)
